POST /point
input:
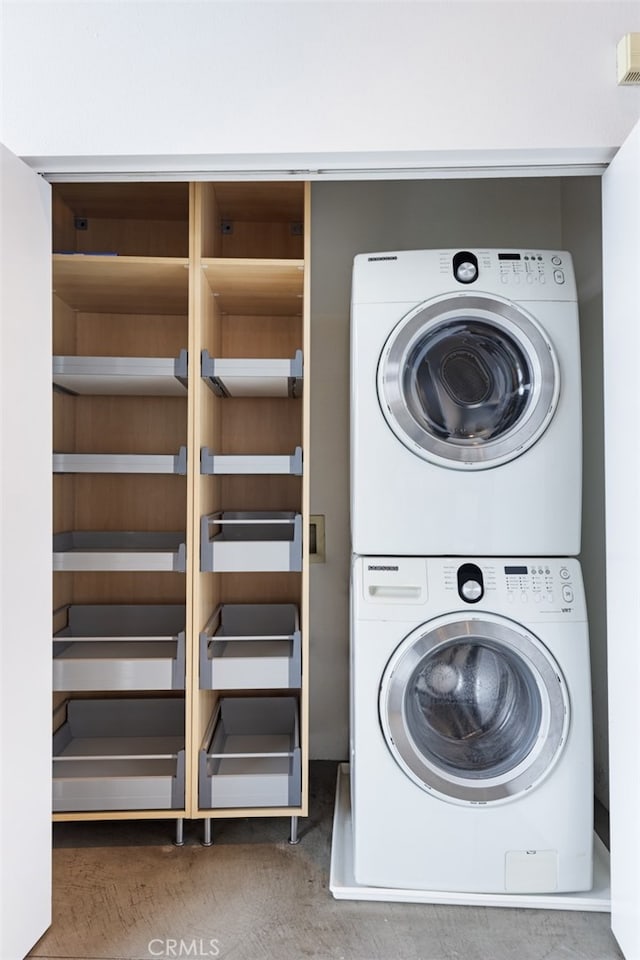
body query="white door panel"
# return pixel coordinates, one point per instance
(25, 557)
(621, 277)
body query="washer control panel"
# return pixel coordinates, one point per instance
(529, 587)
(529, 590)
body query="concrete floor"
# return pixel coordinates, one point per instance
(122, 891)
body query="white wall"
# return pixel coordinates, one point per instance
(582, 234)
(25, 570)
(312, 81)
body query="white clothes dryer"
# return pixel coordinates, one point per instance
(471, 736)
(466, 432)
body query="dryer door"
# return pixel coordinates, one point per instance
(468, 381)
(474, 710)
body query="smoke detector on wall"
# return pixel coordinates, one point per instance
(629, 59)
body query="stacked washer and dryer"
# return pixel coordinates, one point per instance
(471, 739)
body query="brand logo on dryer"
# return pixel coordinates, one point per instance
(373, 566)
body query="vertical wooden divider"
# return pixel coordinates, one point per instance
(191, 537)
(306, 433)
(206, 490)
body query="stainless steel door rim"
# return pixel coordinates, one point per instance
(474, 710)
(500, 372)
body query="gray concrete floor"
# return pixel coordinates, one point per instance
(122, 891)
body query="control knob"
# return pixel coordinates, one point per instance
(471, 590)
(466, 272)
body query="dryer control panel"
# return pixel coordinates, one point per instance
(512, 269)
(414, 276)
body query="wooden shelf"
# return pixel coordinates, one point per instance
(112, 284)
(256, 287)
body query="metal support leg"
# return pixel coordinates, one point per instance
(208, 838)
(293, 836)
(179, 841)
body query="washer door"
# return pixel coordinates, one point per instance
(474, 710)
(468, 382)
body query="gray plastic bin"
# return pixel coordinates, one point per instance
(119, 550)
(120, 754)
(253, 377)
(120, 647)
(251, 646)
(251, 754)
(121, 462)
(243, 464)
(251, 541)
(124, 376)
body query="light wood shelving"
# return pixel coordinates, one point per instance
(149, 279)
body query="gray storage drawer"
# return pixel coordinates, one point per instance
(267, 464)
(251, 541)
(120, 754)
(124, 376)
(119, 550)
(121, 462)
(253, 376)
(251, 646)
(251, 754)
(120, 647)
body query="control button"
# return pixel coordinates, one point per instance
(542, 278)
(564, 573)
(556, 261)
(504, 278)
(523, 597)
(529, 278)
(558, 276)
(466, 272)
(537, 597)
(567, 593)
(471, 590)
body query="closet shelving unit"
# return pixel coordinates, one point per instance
(181, 503)
(121, 268)
(251, 423)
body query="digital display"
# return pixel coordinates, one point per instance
(516, 571)
(509, 256)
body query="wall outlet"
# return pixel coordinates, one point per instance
(317, 549)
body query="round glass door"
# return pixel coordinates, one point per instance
(468, 381)
(474, 710)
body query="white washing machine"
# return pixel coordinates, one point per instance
(466, 434)
(471, 742)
